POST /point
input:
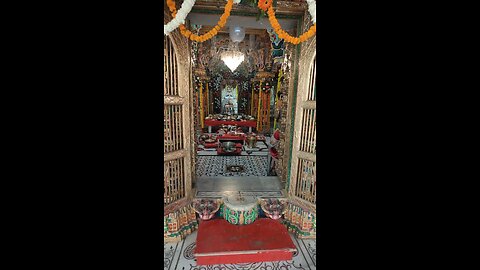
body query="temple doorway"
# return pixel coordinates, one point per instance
(239, 94)
(239, 122)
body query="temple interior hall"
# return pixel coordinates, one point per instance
(239, 134)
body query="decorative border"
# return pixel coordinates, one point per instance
(237, 217)
(300, 221)
(180, 223)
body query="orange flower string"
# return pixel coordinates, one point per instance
(210, 34)
(284, 35)
(264, 4)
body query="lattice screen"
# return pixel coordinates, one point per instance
(172, 128)
(170, 83)
(174, 180)
(303, 182)
(306, 180)
(177, 163)
(309, 128)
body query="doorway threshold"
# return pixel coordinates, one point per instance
(258, 186)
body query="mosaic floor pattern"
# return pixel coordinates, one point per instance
(217, 165)
(180, 256)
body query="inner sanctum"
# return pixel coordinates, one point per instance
(239, 133)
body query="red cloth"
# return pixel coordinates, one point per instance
(210, 145)
(262, 241)
(214, 123)
(274, 152)
(231, 137)
(276, 135)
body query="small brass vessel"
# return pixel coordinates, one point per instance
(251, 141)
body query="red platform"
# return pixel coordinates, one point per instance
(246, 123)
(265, 240)
(211, 145)
(232, 137)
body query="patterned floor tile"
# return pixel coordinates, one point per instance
(180, 256)
(308, 249)
(217, 165)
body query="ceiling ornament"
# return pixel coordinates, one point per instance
(237, 33)
(232, 59)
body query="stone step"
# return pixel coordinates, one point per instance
(238, 183)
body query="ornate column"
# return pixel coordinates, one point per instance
(203, 84)
(263, 109)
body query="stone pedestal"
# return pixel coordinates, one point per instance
(240, 210)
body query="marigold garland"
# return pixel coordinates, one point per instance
(188, 34)
(266, 5)
(284, 35)
(187, 6)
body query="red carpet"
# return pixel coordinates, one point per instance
(265, 240)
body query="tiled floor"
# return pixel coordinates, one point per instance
(180, 256)
(217, 165)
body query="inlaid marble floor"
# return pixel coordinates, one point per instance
(216, 165)
(180, 256)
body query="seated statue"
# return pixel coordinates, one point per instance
(229, 107)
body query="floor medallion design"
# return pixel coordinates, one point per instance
(181, 256)
(234, 168)
(218, 166)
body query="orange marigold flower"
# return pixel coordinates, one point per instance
(213, 32)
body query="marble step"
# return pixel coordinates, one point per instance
(238, 183)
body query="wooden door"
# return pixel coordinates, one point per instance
(177, 155)
(179, 219)
(303, 177)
